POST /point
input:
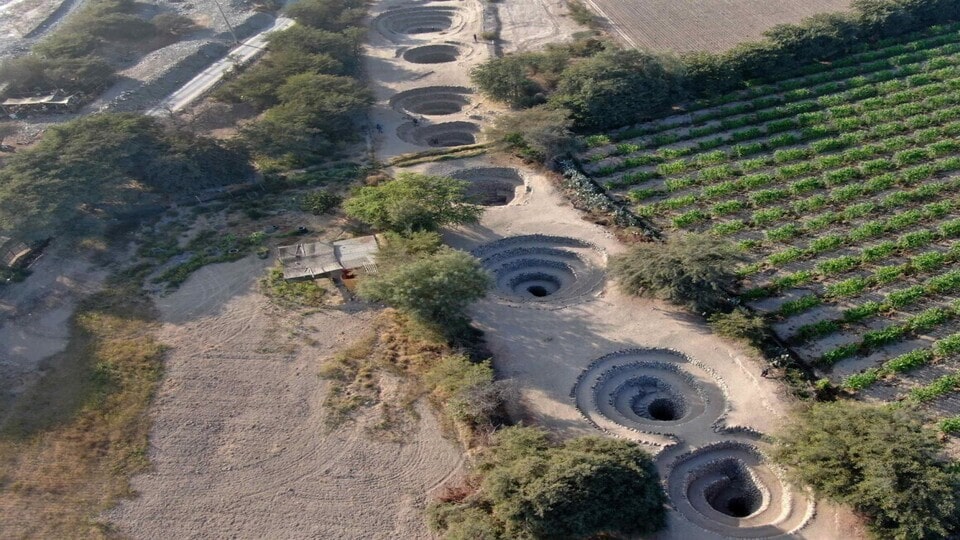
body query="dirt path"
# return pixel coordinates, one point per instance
(240, 447)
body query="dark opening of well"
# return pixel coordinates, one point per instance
(664, 410)
(538, 291)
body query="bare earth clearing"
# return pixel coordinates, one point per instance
(703, 25)
(240, 447)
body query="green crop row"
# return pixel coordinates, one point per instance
(921, 322)
(942, 349)
(815, 74)
(885, 116)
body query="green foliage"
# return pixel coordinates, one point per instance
(317, 112)
(692, 270)
(331, 15)
(613, 88)
(309, 84)
(540, 133)
(506, 79)
(102, 166)
(532, 488)
(950, 425)
(435, 289)
(291, 293)
(413, 202)
(73, 59)
(881, 461)
(739, 324)
(465, 389)
(319, 202)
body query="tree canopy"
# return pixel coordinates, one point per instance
(615, 87)
(436, 288)
(691, 270)
(95, 167)
(881, 461)
(530, 487)
(413, 202)
(541, 133)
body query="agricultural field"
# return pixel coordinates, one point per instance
(704, 25)
(840, 186)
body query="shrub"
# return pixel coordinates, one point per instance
(792, 307)
(692, 270)
(843, 451)
(739, 324)
(319, 202)
(413, 202)
(532, 488)
(847, 287)
(435, 289)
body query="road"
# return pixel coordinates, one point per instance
(208, 78)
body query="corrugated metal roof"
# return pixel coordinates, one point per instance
(38, 100)
(357, 252)
(307, 260)
(311, 259)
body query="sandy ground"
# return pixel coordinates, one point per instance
(531, 24)
(240, 448)
(34, 316)
(703, 25)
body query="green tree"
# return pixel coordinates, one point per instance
(692, 270)
(319, 202)
(505, 79)
(435, 289)
(614, 88)
(881, 461)
(88, 170)
(413, 202)
(333, 15)
(540, 133)
(532, 488)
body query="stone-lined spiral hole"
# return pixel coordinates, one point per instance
(536, 284)
(432, 100)
(416, 20)
(734, 492)
(729, 488)
(432, 54)
(646, 394)
(491, 186)
(443, 134)
(537, 268)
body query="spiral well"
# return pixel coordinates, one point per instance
(541, 269)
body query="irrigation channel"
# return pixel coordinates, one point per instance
(689, 403)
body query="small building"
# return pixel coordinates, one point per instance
(341, 259)
(13, 252)
(13, 107)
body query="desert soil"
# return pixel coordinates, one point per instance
(703, 25)
(240, 445)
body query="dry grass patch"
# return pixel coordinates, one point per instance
(69, 446)
(401, 362)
